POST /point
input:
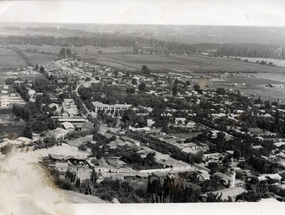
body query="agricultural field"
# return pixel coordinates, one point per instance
(39, 58)
(277, 62)
(81, 51)
(179, 63)
(9, 59)
(252, 86)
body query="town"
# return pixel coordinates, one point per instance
(147, 136)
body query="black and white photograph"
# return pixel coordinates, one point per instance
(142, 107)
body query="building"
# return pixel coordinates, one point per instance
(7, 101)
(231, 192)
(68, 126)
(59, 133)
(76, 121)
(180, 121)
(105, 107)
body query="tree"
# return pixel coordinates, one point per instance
(221, 91)
(130, 90)
(36, 67)
(116, 73)
(62, 52)
(82, 147)
(28, 132)
(142, 86)
(197, 88)
(99, 154)
(174, 90)
(42, 69)
(213, 166)
(144, 68)
(77, 183)
(134, 81)
(68, 52)
(93, 180)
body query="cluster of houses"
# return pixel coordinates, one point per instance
(70, 74)
(9, 97)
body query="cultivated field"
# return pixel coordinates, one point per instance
(39, 58)
(81, 51)
(114, 57)
(9, 59)
(179, 63)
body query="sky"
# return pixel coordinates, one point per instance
(176, 12)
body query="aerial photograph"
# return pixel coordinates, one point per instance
(140, 102)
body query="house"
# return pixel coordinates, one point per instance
(24, 140)
(231, 192)
(211, 157)
(278, 144)
(179, 121)
(65, 144)
(114, 161)
(190, 124)
(32, 94)
(203, 175)
(58, 133)
(68, 126)
(276, 177)
(62, 167)
(150, 122)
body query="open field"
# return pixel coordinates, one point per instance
(277, 62)
(39, 58)
(253, 86)
(81, 51)
(9, 59)
(179, 63)
(113, 57)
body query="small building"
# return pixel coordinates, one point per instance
(190, 124)
(59, 133)
(68, 126)
(265, 177)
(62, 167)
(150, 122)
(231, 192)
(180, 121)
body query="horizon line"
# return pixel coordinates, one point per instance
(142, 24)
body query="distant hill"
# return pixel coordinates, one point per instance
(182, 34)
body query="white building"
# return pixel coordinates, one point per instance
(105, 107)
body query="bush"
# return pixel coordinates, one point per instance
(82, 147)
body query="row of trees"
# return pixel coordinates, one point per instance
(261, 51)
